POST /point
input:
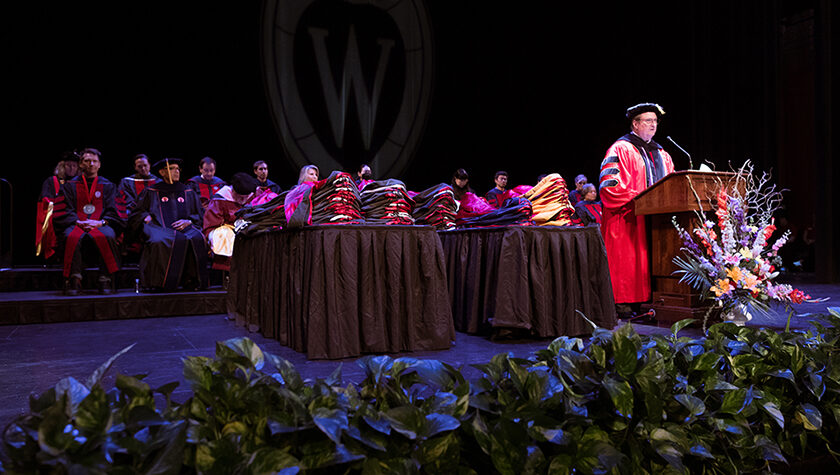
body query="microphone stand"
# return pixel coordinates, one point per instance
(690, 164)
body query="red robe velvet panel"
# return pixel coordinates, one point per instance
(623, 176)
(128, 190)
(205, 188)
(102, 196)
(51, 204)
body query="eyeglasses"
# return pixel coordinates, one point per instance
(649, 121)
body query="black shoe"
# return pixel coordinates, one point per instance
(105, 286)
(72, 286)
(191, 285)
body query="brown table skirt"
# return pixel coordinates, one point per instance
(529, 277)
(342, 291)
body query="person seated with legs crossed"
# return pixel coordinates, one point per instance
(169, 217)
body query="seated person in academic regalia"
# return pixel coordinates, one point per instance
(309, 174)
(577, 194)
(168, 215)
(207, 183)
(461, 184)
(496, 197)
(51, 203)
(263, 183)
(65, 170)
(128, 190)
(588, 209)
(90, 217)
(363, 176)
(220, 216)
(131, 186)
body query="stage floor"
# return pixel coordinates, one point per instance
(34, 357)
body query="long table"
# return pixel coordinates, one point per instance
(534, 278)
(342, 291)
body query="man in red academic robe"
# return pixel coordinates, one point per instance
(633, 163)
(90, 216)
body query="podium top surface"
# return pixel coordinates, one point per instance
(685, 190)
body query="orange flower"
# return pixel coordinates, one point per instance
(722, 287)
(734, 273)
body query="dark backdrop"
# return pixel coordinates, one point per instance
(531, 88)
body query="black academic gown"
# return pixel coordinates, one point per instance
(270, 185)
(170, 257)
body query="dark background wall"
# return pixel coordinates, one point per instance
(530, 88)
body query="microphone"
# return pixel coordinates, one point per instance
(690, 164)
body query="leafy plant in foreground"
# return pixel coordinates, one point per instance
(739, 400)
(77, 427)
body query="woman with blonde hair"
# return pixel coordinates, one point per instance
(308, 173)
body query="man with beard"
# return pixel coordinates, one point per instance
(263, 183)
(90, 217)
(633, 163)
(168, 215)
(130, 187)
(206, 184)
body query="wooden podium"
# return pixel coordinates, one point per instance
(671, 197)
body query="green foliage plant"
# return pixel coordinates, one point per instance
(739, 400)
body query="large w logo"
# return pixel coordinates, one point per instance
(352, 79)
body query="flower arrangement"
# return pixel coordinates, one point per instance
(730, 259)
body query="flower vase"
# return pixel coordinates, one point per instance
(739, 314)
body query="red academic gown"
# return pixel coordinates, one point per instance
(221, 210)
(629, 167)
(51, 204)
(99, 194)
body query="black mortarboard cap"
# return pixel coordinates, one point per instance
(161, 164)
(633, 111)
(243, 183)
